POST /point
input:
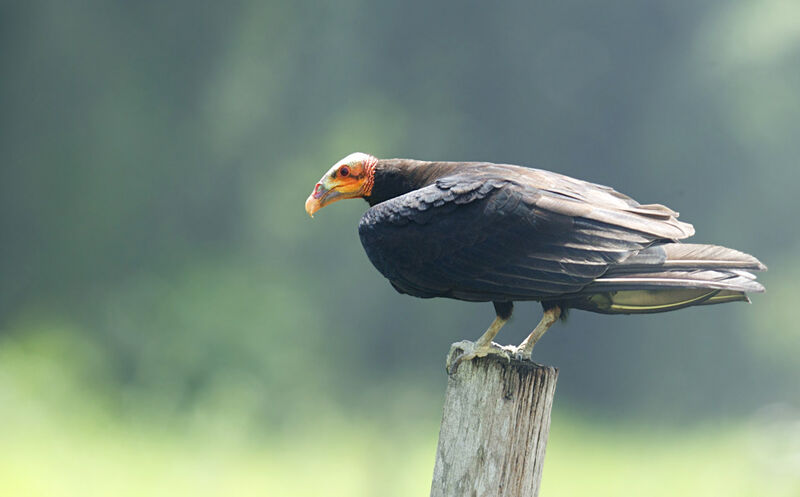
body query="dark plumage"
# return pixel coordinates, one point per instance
(490, 232)
(503, 233)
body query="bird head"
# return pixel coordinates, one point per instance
(351, 177)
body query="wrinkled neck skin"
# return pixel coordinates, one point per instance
(395, 177)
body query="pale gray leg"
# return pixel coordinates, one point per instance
(549, 317)
(481, 348)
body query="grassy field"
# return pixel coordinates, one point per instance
(57, 443)
(57, 460)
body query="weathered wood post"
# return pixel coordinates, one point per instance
(494, 428)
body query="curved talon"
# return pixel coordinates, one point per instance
(471, 351)
(453, 366)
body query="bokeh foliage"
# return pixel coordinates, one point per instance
(155, 255)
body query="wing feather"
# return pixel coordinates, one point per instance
(495, 238)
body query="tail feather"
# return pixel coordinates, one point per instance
(671, 276)
(727, 296)
(712, 256)
(689, 256)
(699, 278)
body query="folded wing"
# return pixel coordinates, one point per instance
(493, 235)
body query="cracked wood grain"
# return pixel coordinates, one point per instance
(494, 430)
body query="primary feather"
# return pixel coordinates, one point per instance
(502, 233)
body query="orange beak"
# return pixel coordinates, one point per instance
(312, 205)
(316, 200)
(343, 180)
(326, 192)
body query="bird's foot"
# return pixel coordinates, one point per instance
(523, 354)
(466, 351)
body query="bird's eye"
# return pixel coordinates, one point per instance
(344, 171)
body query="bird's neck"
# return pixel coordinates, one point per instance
(395, 177)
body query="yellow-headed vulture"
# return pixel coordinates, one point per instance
(500, 233)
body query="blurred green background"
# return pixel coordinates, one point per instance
(173, 323)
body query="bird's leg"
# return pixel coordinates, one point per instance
(549, 317)
(483, 346)
(480, 348)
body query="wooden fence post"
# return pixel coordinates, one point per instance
(494, 428)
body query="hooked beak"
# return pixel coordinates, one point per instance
(320, 197)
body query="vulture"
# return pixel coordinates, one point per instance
(484, 232)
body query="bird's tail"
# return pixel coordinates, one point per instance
(671, 276)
